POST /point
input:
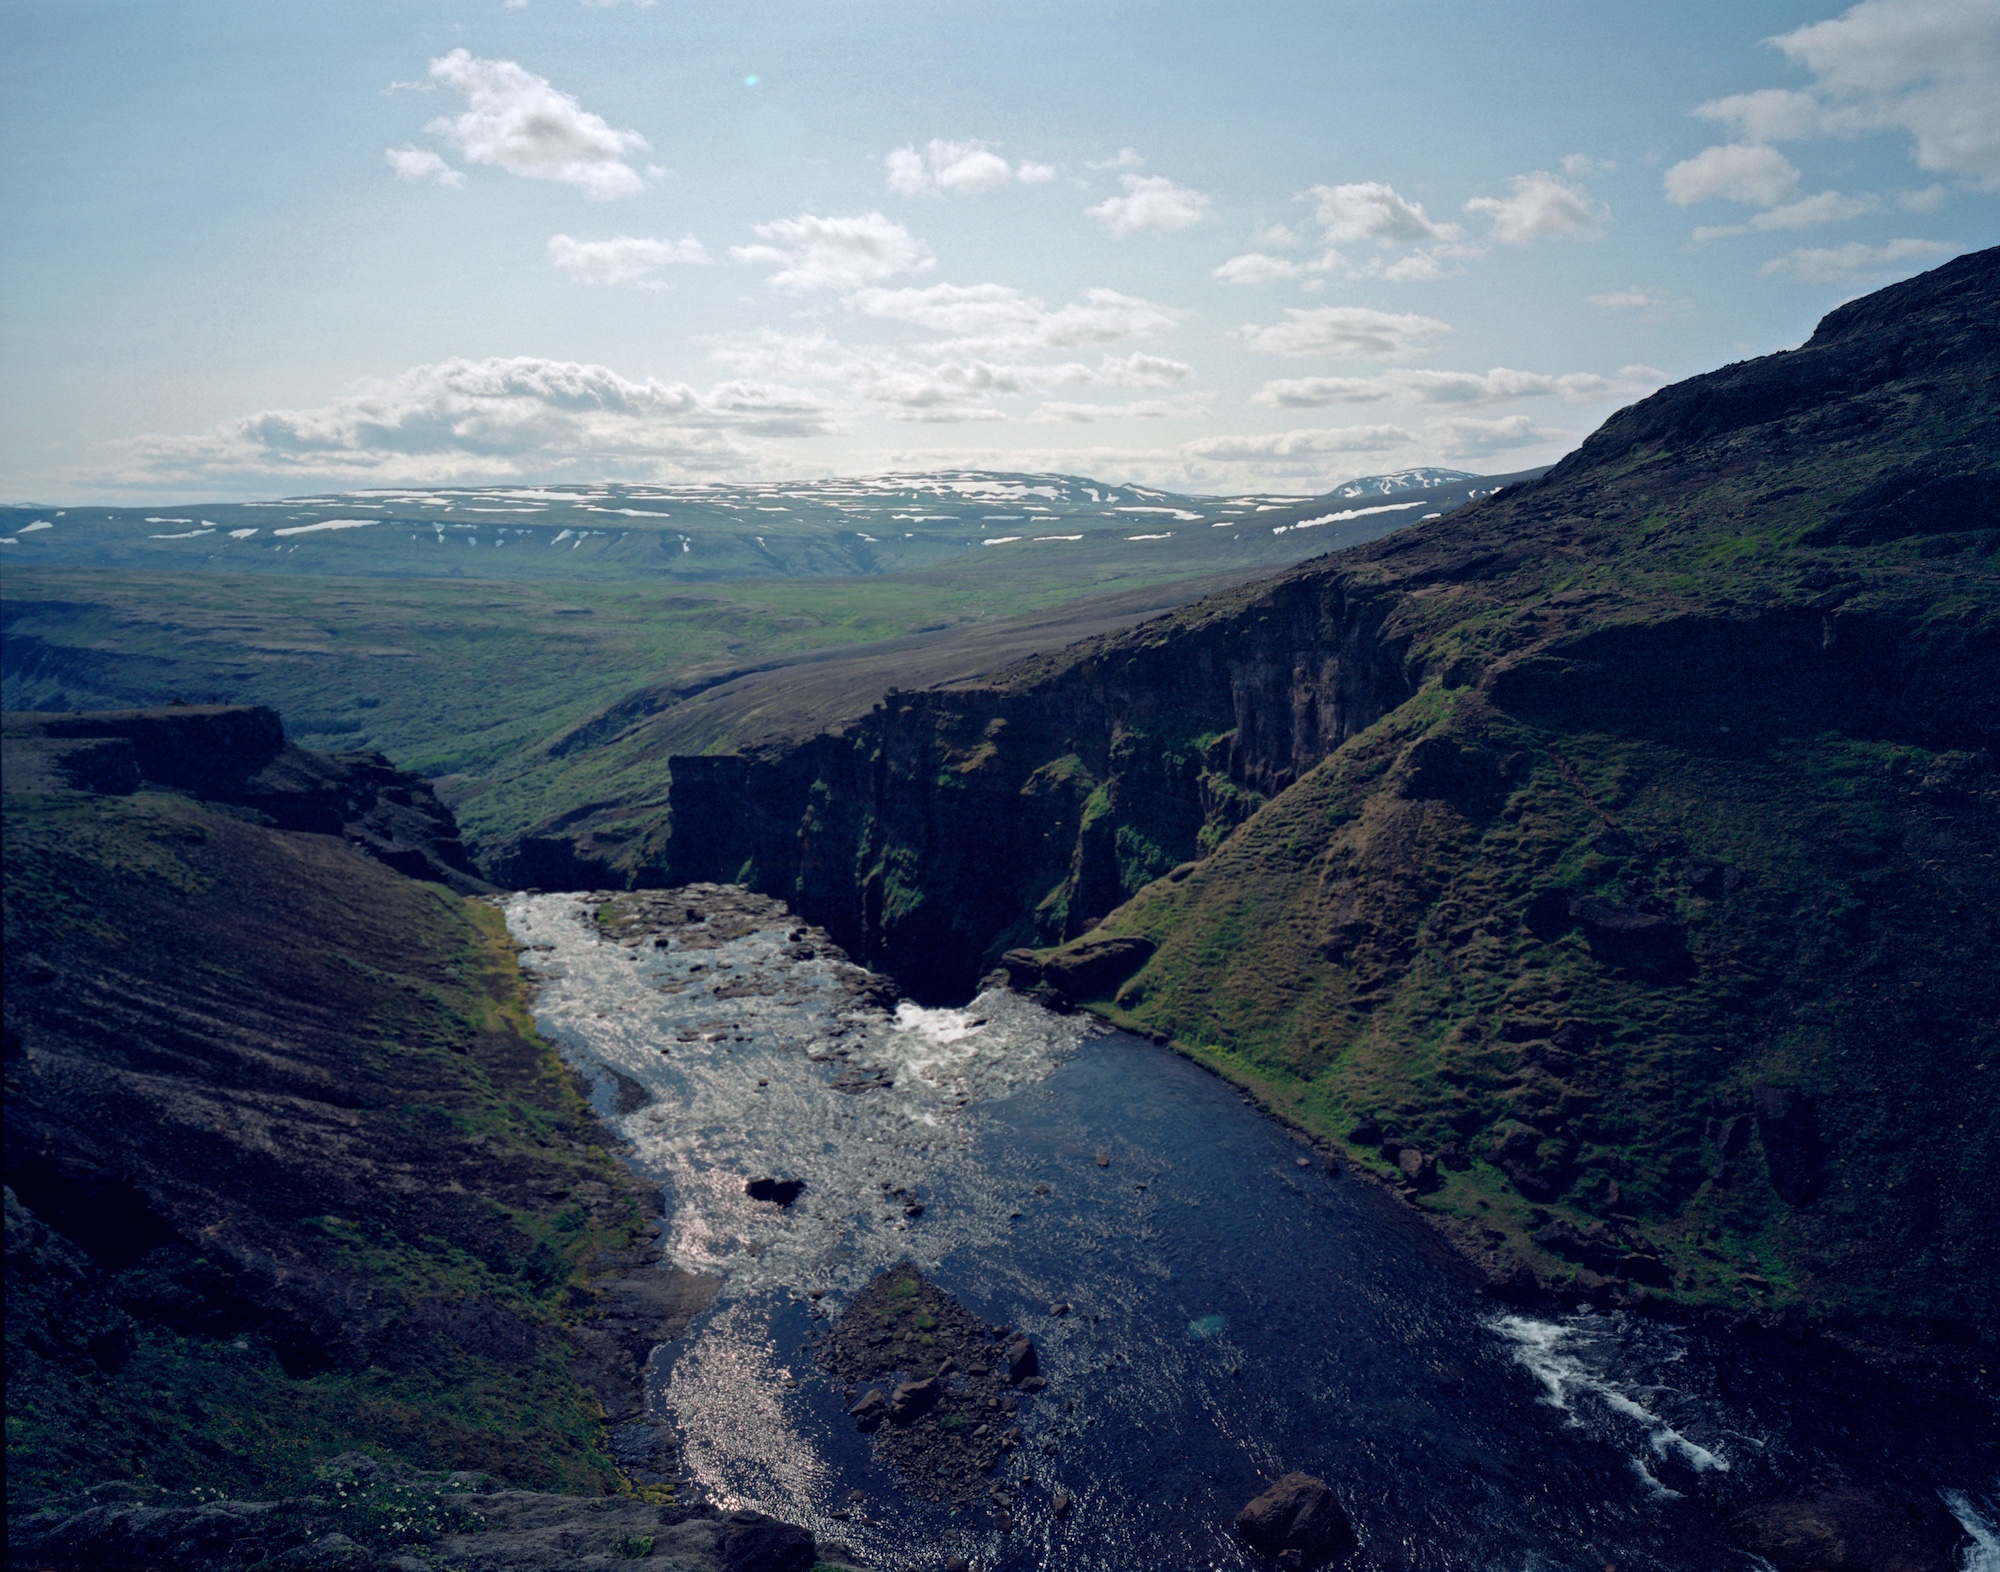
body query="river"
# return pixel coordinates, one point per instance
(1238, 1309)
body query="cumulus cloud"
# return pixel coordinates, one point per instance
(1124, 158)
(946, 168)
(1369, 210)
(1256, 267)
(1928, 69)
(1454, 387)
(1470, 434)
(1636, 298)
(1749, 173)
(999, 319)
(1074, 413)
(949, 379)
(417, 165)
(1150, 202)
(1842, 264)
(1343, 331)
(621, 259)
(1541, 206)
(493, 417)
(1301, 443)
(517, 121)
(812, 252)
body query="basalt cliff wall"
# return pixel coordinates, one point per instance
(1621, 845)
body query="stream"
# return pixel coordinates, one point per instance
(1237, 1310)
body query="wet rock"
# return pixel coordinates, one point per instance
(1022, 1360)
(1091, 967)
(912, 1398)
(783, 1191)
(1061, 1505)
(1299, 1515)
(870, 1409)
(1418, 1168)
(1790, 1137)
(1842, 1527)
(751, 1542)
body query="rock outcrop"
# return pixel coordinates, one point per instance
(235, 755)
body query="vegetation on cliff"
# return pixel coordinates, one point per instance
(1620, 847)
(289, 1172)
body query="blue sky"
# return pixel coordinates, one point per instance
(260, 249)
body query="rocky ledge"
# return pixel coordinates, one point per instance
(367, 1517)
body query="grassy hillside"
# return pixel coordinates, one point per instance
(290, 1173)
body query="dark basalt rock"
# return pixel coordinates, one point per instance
(1790, 1137)
(236, 755)
(1298, 1522)
(751, 1542)
(783, 1191)
(1096, 966)
(1842, 1527)
(1645, 943)
(1022, 1360)
(912, 1398)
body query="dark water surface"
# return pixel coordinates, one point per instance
(1238, 1312)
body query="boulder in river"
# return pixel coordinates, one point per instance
(1297, 1515)
(1022, 1361)
(912, 1398)
(782, 1191)
(1842, 1527)
(869, 1409)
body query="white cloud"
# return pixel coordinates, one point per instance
(1470, 434)
(1138, 370)
(1373, 214)
(622, 258)
(1150, 202)
(1541, 206)
(999, 319)
(1454, 387)
(1580, 165)
(1929, 69)
(1750, 173)
(1840, 264)
(1636, 298)
(1317, 392)
(518, 122)
(1828, 207)
(494, 417)
(1124, 158)
(1074, 413)
(1301, 443)
(417, 165)
(1343, 331)
(835, 253)
(1255, 267)
(1369, 210)
(945, 168)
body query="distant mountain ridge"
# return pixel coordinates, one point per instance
(777, 529)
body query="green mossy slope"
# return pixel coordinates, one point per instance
(290, 1172)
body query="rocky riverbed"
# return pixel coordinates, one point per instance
(1240, 1311)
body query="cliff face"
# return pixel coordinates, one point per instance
(288, 1171)
(1620, 839)
(235, 755)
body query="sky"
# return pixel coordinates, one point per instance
(262, 250)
